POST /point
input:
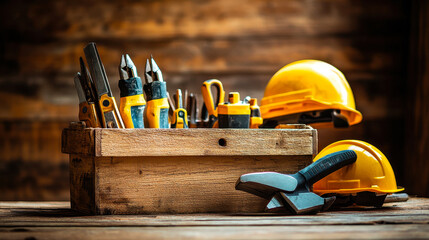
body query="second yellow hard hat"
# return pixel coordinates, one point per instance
(370, 173)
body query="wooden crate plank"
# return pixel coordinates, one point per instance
(82, 184)
(416, 164)
(79, 141)
(220, 56)
(59, 214)
(191, 19)
(205, 142)
(183, 184)
(403, 231)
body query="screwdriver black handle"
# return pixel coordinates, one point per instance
(327, 165)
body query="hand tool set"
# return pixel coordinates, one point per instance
(312, 92)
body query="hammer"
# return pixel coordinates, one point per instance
(292, 192)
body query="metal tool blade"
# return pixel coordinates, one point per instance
(191, 108)
(303, 202)
(79, 89)
(148, 72)
(277, 205)
(127, 69)
(97, 70)
(86, 83)
(157, 74)
(396, 197)
(178, 99)
(266, 184)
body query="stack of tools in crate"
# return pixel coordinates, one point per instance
(311, 92)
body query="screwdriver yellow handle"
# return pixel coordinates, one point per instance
(180, 119)
(88, 114)
(109, 112)
(209, 101)
(255, 114)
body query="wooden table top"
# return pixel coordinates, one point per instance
(55, 220)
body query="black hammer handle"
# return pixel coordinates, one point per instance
(327, 165)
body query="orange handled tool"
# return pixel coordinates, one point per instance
(210, 103)
(110, 117)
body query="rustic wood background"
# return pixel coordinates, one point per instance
(242, 43)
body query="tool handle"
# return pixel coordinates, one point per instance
(210, 103)
(110, 115)
(88, 114)
(132, 111)
(327, 165)
(156, 113)
(180, 119)
(132, 103)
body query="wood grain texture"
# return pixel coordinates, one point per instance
(82, 183)
(417, 135)
(59, 214)
(53, 220)
(205, 142)
(135, 171)
(191, 19)
(403, 231)
(79, 141)
(194, 184)
(188, 142)
(242, 43)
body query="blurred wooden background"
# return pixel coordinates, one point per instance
(242, 43)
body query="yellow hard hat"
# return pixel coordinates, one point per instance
(370, 173)
(306, 86)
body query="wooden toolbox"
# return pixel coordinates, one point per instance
(152, 171)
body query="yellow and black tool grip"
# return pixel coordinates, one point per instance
(209, 101)
(180, 119)
(110, 117)
(88, 114)
(234, 114)
(157, 105)
(157, 113)
(255, 114)
(132, 102)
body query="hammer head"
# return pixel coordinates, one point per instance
(266, 184)
(299, 203)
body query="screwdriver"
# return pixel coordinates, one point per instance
(191, 109)
(255, 113)
(110, 117)
(156, 95)
(132, 100)
(180, 116)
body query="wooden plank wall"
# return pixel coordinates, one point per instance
(243, 43)
(417, 120)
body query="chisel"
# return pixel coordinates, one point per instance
(88, 109)
(110, 117)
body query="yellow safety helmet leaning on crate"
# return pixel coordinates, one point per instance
(310, 86)
(370, 173)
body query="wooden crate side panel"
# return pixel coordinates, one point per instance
(82, 184)
(78, 141)
(204, 142)
(151, 185)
